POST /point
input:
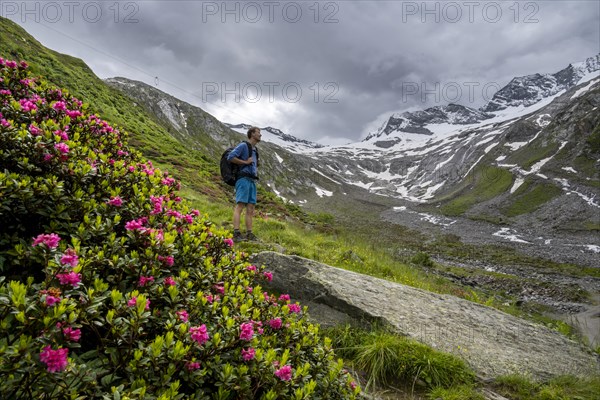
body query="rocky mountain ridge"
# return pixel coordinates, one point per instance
(530, 89)
(276, 136)
(521, 91)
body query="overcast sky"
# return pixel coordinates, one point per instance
(328, 71)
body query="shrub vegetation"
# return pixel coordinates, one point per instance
(111, 286)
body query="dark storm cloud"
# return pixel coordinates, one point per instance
(354, 61)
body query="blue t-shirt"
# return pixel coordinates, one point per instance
(241, 151)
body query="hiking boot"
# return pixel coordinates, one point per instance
(251, 236)
(237, 237)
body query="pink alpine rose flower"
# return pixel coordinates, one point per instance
(169, 281)
(295, 308)
(134, 225)
(275, 323)
(72, 278)
(182, 315)
(59, 105)
(219, 288)
(55, 360)
(169, 260)
(199, 334)
(133, 302)
(145, 279)
(192, 366)
(62, 147)
(115, 201)
(71, 334)
(35, 131)
(51, 300)
(73, 113)
(284, 297)
(247, 331)
(284, 373)
(51, 240)
(248, 354)
(268, 276)
(70, 258)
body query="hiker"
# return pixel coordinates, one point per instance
(245, 185)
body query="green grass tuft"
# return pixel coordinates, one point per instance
(388, 358)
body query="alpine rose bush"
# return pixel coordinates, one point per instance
(112, 287)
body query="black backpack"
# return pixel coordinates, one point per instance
(229, 170)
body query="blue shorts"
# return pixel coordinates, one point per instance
(245, 191)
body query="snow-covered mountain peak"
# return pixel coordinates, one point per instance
(278, 137)
(418, 122)
(519, 94)
(530, 89)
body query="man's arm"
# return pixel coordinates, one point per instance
(238, 161)
(236, 153)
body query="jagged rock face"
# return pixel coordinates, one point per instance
(492, 342)
(528, 90)
(187, 123)
(414, 122)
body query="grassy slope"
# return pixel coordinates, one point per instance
(146, 133)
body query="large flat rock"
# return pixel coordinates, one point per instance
(492, 342)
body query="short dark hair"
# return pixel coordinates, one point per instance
(252, 130)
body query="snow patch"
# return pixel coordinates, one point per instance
(542, 121)
(491, 146)
(278, 158)
(515, 145)
(584, 89)
(569, 169)
(592, 247)
(509, 234)
(518, 182)
(362, 185)
(588, 199)
(323, 192)
(279, 195)
(436, 220)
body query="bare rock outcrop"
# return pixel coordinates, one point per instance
(492, 342)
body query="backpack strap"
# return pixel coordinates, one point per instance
(250, 152)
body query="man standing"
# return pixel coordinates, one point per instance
(245, 187)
